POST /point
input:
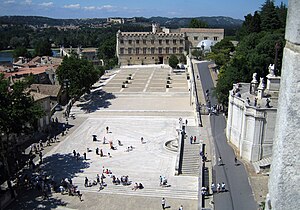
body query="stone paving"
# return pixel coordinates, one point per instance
(145, 108)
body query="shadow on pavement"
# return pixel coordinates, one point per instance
(58, 166)
(95, 100)
(63, 166)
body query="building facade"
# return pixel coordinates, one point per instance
(251, 118)
(156, 47)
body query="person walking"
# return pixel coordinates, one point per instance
(220, 161)
(195, 138)
(218, 187)
(163, 203)
(235, 161)
(213, 187)
(191, 139)
(107, 128)
(84, 156)
(223, 186)
(86, 182)
(180, 208)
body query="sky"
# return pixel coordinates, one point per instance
(131, 8)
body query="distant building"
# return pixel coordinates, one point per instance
(44, 101)
(120, 20)
(252, 111)
(156, 47)
(90, 54)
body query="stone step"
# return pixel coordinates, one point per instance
(148, 192)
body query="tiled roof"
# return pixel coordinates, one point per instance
(51, 90)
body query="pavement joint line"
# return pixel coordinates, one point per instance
(148, 82)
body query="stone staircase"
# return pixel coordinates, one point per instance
(263, 163)
(191, 157)
(158, 191)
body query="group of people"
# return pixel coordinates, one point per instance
(163, 181)
(124, 180)
(220, 187)
(66, 186)
(193, 139)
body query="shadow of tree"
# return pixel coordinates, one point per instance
(95, 100)
(32, 199)
(60, 166)
(63, 166)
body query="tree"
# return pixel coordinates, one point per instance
(173, 61)
(80, 73)
(21, 51)
(43, 47)
(196, 53)
(221, 52)
(182, 59)
(269, 17)
(18, 114)
(196, 23)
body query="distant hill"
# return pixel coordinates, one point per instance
(40, 21)
(218, 21)
(229, 24)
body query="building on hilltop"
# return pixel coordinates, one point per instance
(252, 114)
(156, 47)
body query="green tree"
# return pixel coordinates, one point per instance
(43, 47)
(269, 17)
(18, 115)
(21, 51)
(80, 73)
(196, 23)
(221, 52)
(182, 59)
(197, 54)
(173, 61)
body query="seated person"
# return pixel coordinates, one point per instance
(117, 181)
(135, 187)
(141, 186)
(113, 179)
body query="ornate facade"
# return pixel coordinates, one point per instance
(156, 47)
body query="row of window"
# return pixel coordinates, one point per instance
(205, 38)
(160, 41)
(152, 50)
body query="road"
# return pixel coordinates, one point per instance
(239, 194)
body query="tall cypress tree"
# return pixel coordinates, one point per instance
(269, 17)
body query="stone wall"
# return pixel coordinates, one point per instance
(285, 168)
(250, 129)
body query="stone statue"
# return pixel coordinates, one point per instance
(261, 83)
(254, 80)
(271, 70)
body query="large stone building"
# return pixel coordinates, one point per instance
(156, 47)
(252, 111)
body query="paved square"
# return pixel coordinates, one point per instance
(145, 108)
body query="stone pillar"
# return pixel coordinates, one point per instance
(285, 168)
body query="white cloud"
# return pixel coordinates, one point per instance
(72, 6)
(28, 1)
(47, 4)
(106, 7)
(89, 8)
(9, 2)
